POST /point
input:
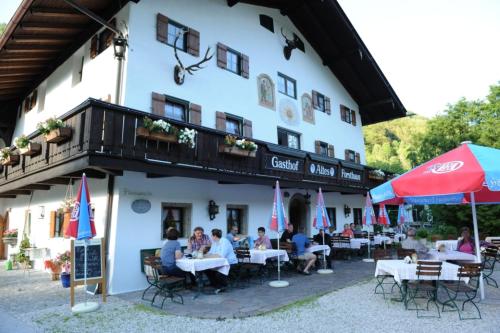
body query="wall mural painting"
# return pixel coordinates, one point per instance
(265, 88)
(289, 113)
(307, 108)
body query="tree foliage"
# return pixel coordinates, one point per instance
(2, 28)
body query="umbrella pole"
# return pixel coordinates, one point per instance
(279, 270)
(476, 241)
(324, 251)
(85, 270)
(278, 283)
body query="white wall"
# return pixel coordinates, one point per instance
(151, 64)
(133, 232)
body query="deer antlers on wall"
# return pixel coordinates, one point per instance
(180, 70)
(290, 45)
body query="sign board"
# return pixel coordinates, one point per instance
(321, 170)
(351, 175)
(96, 271)
(282, 163)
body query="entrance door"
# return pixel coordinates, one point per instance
(297, 212)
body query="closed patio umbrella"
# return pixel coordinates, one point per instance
(279, 224)
(369, 219)
(321, 222)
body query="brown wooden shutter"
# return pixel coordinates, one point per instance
(158, 104)
(328, 108)
(247, 128)
(317, 146)
(346, 154)
(93, 47)
(34, 96)
(358, 158)
(161, 28)
(331, 151)
(353, 117)
(67, 217)
(111, 34)
(195, 114)
(245, 66)
(342, 112)
(315, 99)
(52, 228)
(193, 42)
(221, 55)
(220, 121)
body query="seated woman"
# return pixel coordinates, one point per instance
(466, 244)
(198, 241)
(170, 252)
(347, 231)
(262, 239)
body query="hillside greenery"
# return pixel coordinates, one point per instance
(2, 28)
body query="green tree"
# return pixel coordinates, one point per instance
(2, 28)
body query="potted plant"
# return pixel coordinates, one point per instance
(422, 235)
(238, 147)
(65, 262)
(54, 130)
(187, 136)
(26, 147)
(158, 130)
(7, 157)
(21, 257)
(10, 237)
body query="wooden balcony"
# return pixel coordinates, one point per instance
(104, 142)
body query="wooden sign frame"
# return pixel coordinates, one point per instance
(101, 280)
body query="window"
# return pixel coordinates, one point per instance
(332, 215)
(234, 125)
(176, 108)
(320, 102)
(350, 156)
(358, 216)
(233, 61)
(102, 41)
(175, 216)
(30, 101)
(287, 85)
(173, 29)
(347, 115)
(236, 216)
(288, 138)
(323, 148)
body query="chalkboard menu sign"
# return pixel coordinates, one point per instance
(94, 260)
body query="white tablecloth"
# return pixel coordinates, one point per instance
(195, 265)
(260, 256)
(316, 248)
(489, 239)
(402, 271)
(450, 244)
(379, 240)
(398, 238)
(451, 255)
(355, 243)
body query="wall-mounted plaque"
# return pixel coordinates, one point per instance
(282, 163)
(141, 206)
(321, 170)
(351, 174)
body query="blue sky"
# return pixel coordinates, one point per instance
(433, 52)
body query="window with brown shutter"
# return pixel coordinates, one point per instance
(161, 28)
(193, 42)
(315, 99)
(52, 227)
(342, 112)
(195, 114)
(220, 121)
(33, 99)
(357, 158)
(245, 66)
(317, 146)
(353, 117)
(347, 115)
(158, 104)
(331, 151)
(93, 47)
(247, 128)
(67, 217)
(328, 107)
(221, 55)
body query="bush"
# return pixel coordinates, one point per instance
(422, 233)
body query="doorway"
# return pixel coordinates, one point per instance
(297, 212)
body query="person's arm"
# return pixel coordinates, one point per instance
(225, 249)
(267, 242)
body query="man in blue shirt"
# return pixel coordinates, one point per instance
(221, 248)
(301, 243)
(232, 238)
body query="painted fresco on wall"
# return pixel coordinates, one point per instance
(265, 88)
(289, 113)
(307, 108)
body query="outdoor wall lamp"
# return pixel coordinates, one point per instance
(119, 45)
(347, 211)
(307, 198)
(213, 209)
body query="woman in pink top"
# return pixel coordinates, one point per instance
(263, 239)
(466, 244)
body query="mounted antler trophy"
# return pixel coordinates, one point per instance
(290, 45)
(180, 70)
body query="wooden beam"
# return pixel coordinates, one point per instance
(378, 102)
(31, 48)
(55, 181)
(15, 80)
(24, 57)
(18, 73)
(7, 196)
(21, 64)
(90, 173)
(55, 12)
(35, 38)
(18, 192)
(36, 187)
(50, 26)
(10, 91)
(108, 171)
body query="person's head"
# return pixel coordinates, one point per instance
(172, 234)
(261, 231)
(352, 226)
(290, 227)
(346, 226)
(302, 230)
(198, 232)
(411, 232)
(234, 230)
(216, 234)
(465, 233)
(321, 232)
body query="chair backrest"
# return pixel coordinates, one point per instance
(381, 254)
(152, 267)
(345, 241)
(364, 234)
(274, 243)
(243, 255)
(335, 241)
(469, 270)
(429, 268)
(371, 236)
(491, 252)
(358, 235)
(496, 242)
(402, 253)
(391, 235)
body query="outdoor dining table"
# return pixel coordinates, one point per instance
(379, 240)
(318, 248)
(398, 238)
(261, 256)
(451, 255)
(449, 244)
(197, 266)
(355, 243)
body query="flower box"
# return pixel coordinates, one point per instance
(10, 240)
(11, 160)
(142, 132)
(32, 149)
(375, 177)
(233, 150)
(58, 135)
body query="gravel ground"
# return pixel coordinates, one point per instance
(352, 309)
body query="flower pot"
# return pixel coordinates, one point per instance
(163, 137)
(32, 149)
(65, 279)
(142, 132)
(375, 177)
(59, 135)
(11, 160)
(10, 240)
(236, 151)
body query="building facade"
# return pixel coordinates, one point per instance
(304, 113)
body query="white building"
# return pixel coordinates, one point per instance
(305, 114)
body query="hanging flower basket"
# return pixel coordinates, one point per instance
(142, 132)
(10, 240)
(376, 175)
(236, 151)
(11, 160)
(32, 149)
(58, 135)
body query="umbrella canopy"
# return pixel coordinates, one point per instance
(278, 221)
(369, 215)
(321, 219)
(383, 217)
(81, 224)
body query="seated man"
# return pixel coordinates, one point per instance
(347, 231)
(301, 242)
(233, 238)
(318, 238)
(410, 243)
(198, 241)
(287, 235)
(221, 248)
(262, 239)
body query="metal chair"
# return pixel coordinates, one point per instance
(165, 285)
(245, 266)
(490, 257)
(402, 253)
(454, 288)
(381, 254)
(424, 287)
